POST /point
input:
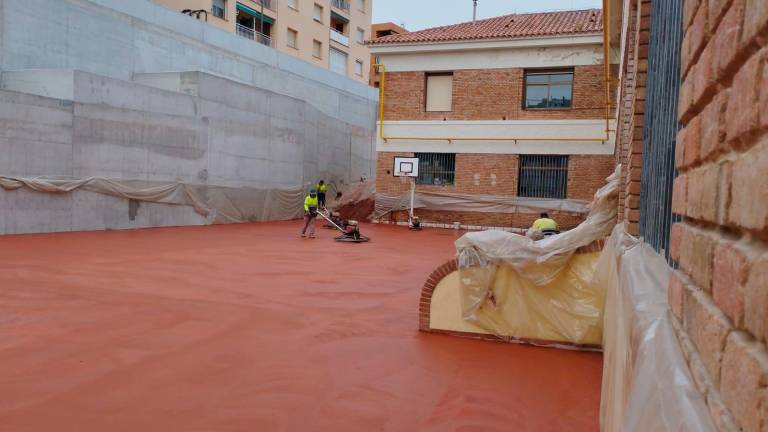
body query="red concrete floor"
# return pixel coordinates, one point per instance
(251, 328)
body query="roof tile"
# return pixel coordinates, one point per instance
(507, 27)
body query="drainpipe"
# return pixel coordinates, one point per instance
(383, 71)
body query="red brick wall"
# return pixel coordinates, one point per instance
(720, 293)
(496, 174)
(629, 143)
(491, 94)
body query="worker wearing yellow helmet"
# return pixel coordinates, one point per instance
(546, 225)
(310, 214)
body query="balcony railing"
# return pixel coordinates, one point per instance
(339, 37)
(341, 4)
(253, 35)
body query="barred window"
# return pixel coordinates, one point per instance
(547, 90)
(542, 176)
(436, 168)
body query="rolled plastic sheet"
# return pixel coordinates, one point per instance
(541, 261)
(515, 287)
(444, 201)
(219, 204)
(647, 385)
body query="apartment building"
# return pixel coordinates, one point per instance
(326, 33)
(512, 109)
(378, 31)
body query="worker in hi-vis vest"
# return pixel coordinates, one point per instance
(310, 214)
(546, 225)
(321, 189)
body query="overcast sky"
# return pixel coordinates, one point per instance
(420, 14)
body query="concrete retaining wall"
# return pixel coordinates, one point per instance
(130, 90)
(217, 132)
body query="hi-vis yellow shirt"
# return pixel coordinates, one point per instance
(545, 224)
(309, 202)
(321, 187)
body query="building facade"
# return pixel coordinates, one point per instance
(513, 106)
(378, 31)
(326, 33)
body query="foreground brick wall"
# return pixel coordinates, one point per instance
(496, 174)
(490, 94)
(720, 292)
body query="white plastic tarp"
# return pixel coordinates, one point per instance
(647, 385)
(219, 204)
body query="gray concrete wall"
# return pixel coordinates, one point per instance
(130, 90)
(217, 132)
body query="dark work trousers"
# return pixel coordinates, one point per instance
(309, 222)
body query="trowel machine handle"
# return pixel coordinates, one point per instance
(330, 221)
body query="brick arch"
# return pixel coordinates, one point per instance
(429, 288)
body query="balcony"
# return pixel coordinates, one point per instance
(341, 4)
(253, 35)
(339, 37)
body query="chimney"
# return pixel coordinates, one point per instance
(474, 11)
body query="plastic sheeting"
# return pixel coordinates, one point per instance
(443, 201)
(490, 262)
(219, 204)
(356, 192)
(565, 312)
(646, 382)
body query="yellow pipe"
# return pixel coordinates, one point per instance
(395, 138)
(606, 78)
(383, 70)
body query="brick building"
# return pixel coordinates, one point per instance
(513, 106)
(695, 183)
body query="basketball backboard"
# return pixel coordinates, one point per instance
(406, 167)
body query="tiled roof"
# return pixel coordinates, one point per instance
(507, 27)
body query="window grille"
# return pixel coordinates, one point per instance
(436, 168)
(542, 176)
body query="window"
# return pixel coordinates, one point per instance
(219, 8)
(439, 92)
(546, 90)
(359, 67)
(542, 176)
(317, 48)
(318, 13)
(292, 38)
(338, 60)
(360, 35)
(293, 4)
(361, 5)
(436, 168)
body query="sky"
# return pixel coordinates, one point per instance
(420, 14)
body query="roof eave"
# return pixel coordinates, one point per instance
(488, 43)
